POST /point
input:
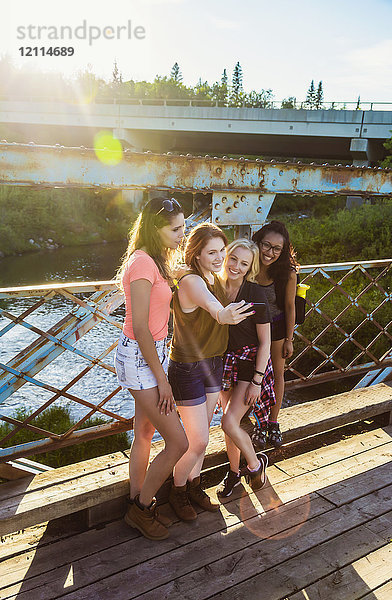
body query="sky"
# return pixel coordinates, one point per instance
(281, 44)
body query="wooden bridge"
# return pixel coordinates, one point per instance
(320, 528)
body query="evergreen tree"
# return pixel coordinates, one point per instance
(310, 101)
(116, 75)
(237, 80)
(319, 96)
(237, 91)
(387, 162)
(220, 90)
(175, 73)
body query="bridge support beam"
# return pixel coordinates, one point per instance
(364, 152)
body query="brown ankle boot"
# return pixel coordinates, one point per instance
(198, 495)
(179, 501)
(163, 519)
(144, 519)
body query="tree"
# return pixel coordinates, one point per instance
(289, 102)
(319, 96)
(310, 100)
(387, 162)
(175, 73)
(220, 90)
(237, 91)
(262, 99)
(116, 75)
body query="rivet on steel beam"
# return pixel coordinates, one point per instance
(236, 204)
(168, 153)
(4, 142)
(217, 205)
(231, 182)
(272, 160)
(258, 160)
(243, 171)
(207, 156)
(31, 144)
(224, 200)
(261, 197)
(219, 170)
(215, 158)
(189, 155)
(229, 209)
(224, 157)
(147, 151)
(281, 173)
(243, 198)
(274, 182)
(217, 219)
(259, 209)
(241, 159)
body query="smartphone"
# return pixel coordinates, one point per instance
(259, 309)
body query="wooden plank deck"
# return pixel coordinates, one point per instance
(321, 528)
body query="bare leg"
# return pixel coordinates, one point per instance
(211, 401)
(278, 363)
(176, 443)
(231, 419)
(233, 453)
(196, 421)
(140, 450)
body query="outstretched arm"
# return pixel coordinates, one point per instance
(193, 292)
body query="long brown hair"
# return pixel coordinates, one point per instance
(198, 238)
(143, 234)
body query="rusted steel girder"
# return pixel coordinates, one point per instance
(33, 165)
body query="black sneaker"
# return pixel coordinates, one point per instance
(259, 438)
(257, 479)
(228, 484)
(274, 435)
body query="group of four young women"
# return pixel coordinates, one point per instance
(209, 361)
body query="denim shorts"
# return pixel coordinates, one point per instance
(131, 367)
(191, 382)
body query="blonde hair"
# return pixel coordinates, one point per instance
(247, 245)
(198, 238)
(143, 234)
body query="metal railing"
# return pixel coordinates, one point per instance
(347, 332)
(202, 102)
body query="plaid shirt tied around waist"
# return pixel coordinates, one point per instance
(262, 408)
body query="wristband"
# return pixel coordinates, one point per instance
(255, 382)
(217, 316)
(289, 339)
(259, 372)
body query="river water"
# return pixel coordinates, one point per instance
(83, 263)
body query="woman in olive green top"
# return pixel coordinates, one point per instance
(195, 368)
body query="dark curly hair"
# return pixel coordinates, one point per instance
(281, 268)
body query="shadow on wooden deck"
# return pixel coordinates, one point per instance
(320, 529)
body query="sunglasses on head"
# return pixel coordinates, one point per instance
(169, 205)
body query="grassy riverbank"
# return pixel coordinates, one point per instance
(32, 219)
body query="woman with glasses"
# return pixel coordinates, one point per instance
(278, 278)
(247, 374)
(141, 361)
(195, 367)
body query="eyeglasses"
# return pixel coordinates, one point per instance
(169, 205)
(266, 246)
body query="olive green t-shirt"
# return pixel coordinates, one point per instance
(196, 335)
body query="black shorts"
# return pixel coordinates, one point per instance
(278, 328)
(245, 370)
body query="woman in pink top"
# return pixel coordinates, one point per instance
(141, 360)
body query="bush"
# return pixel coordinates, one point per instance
(57, 419)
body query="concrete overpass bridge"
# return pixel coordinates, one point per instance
(351, 136)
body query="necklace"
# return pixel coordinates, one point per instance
(232, 294)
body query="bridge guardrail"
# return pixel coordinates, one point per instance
(347, 332)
